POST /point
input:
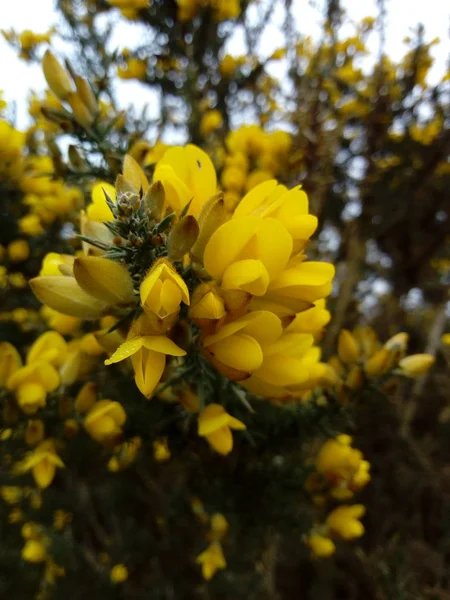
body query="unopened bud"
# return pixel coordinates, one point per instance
(80, 110)
(154, 200)
(182, 237)
(87, 95)
(212, 215)
(56, 75)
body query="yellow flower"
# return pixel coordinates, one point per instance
(42, 462)
(148, 357)
(247, 253)
(211, 559)
(321, 546)
(135, 68)
(34, 551)
(119, 573)
(162, 290)
(98, 210)
(445, 339)
(11, 494)
(416, 364)
(18, 251)
(104, 421)
(211, 121)
(49, 347)
(344, 522)
(161, 450)
(187, 175)
(31, 384)
(236, 349)
(30, 225)
(207, 308)
(215, 424)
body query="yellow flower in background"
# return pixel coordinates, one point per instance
(211, 560)
(119, 573)
(135, 68)
(104, 421)
(34, 551)
(321, 545)
(42, 462)
(344, 521)
(215, 424)
(32, 383)
(18, 251)
(211, 121)
(348, 350)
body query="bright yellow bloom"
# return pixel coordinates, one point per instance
(148, 356)
(321, 546)
(30, 225)
(31, 384)
(119, 573)
(247, 253)
(187, 175)
(49, 347)
(344, 522)
(104, 421)
(211, 559)
(34, 551)
(312, 320)
(63, 324)
(162, 290)
(135, 68)
(416, 364)
(207, 308)
(42, 462)
(445, 339)
(215, 424)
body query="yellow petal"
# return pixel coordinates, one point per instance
(221, 440)
(125, 350)
(66, 296)
(148, 368)
(212, 417)
(104, 279)
(43, 473)
(239, 351)
(255, 198)
(163, 345)
(134, 174)
(248, 275)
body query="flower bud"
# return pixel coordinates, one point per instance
(66, 296)
(416, 364)
(104, 279)
(212, 215)
(86, 94)
(56, 75)
(80, 110)
(182, 237)
(347, 347)
(155, 199)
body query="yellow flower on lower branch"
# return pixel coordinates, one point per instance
(104, 421)
(215, 424)
(34, 551)
(148, 356)
(344, 521)
(212, 559)
(119, 573)
(321, 546)
(42, 462)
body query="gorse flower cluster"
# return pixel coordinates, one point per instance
(190, 346)
(199, 292)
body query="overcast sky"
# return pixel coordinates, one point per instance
(17, 77)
